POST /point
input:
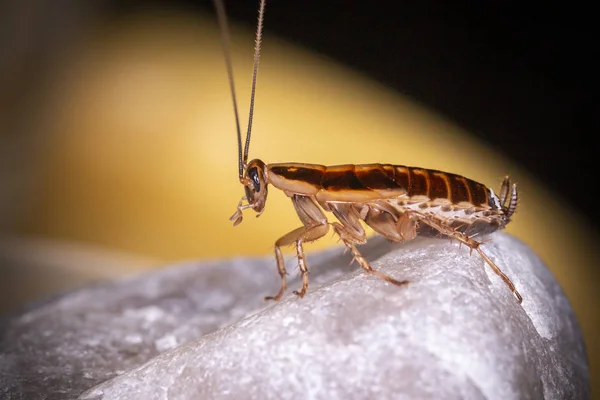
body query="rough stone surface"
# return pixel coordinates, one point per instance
(202, 331)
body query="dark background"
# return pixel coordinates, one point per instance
(517, 76)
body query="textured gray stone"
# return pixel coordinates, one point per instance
(202, 331)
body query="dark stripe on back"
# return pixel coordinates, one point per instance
(418, 182)
(438, 187)
(402, 177)
(458, 189)
(309, 175)
(390, 171)
(341, 178)
(374, 177)
(478, 193)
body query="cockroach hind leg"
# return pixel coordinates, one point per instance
(388, 278)
(472, 244)
(501, 274)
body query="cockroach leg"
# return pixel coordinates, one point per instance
(303, 269)
(297, 236)
(349, 240)
(473, 245)
(282, 274)
(501, 274)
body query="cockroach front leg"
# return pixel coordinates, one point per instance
(297, 236)
(473, 245)
(315, 227)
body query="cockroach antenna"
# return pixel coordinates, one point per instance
(225, 41)
(258, 41)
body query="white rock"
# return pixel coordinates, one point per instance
(455, 332)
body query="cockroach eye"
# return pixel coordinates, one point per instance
(253, 172)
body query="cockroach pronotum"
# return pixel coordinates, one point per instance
(396, 201)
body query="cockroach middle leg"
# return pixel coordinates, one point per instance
(350, 241)
(473, 245)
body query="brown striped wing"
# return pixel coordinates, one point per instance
(364, 182)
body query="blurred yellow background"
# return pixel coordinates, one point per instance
(131, 159)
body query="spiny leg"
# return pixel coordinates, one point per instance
(501, 274)
(349, 240)
(298, 236)
(472, 244)
(303, 269)
(311, 234)
(282, 273)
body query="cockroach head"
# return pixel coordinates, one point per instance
(255, 185)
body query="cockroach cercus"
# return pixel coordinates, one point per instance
(396, 201)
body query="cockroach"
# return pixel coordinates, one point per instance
(396, 201)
